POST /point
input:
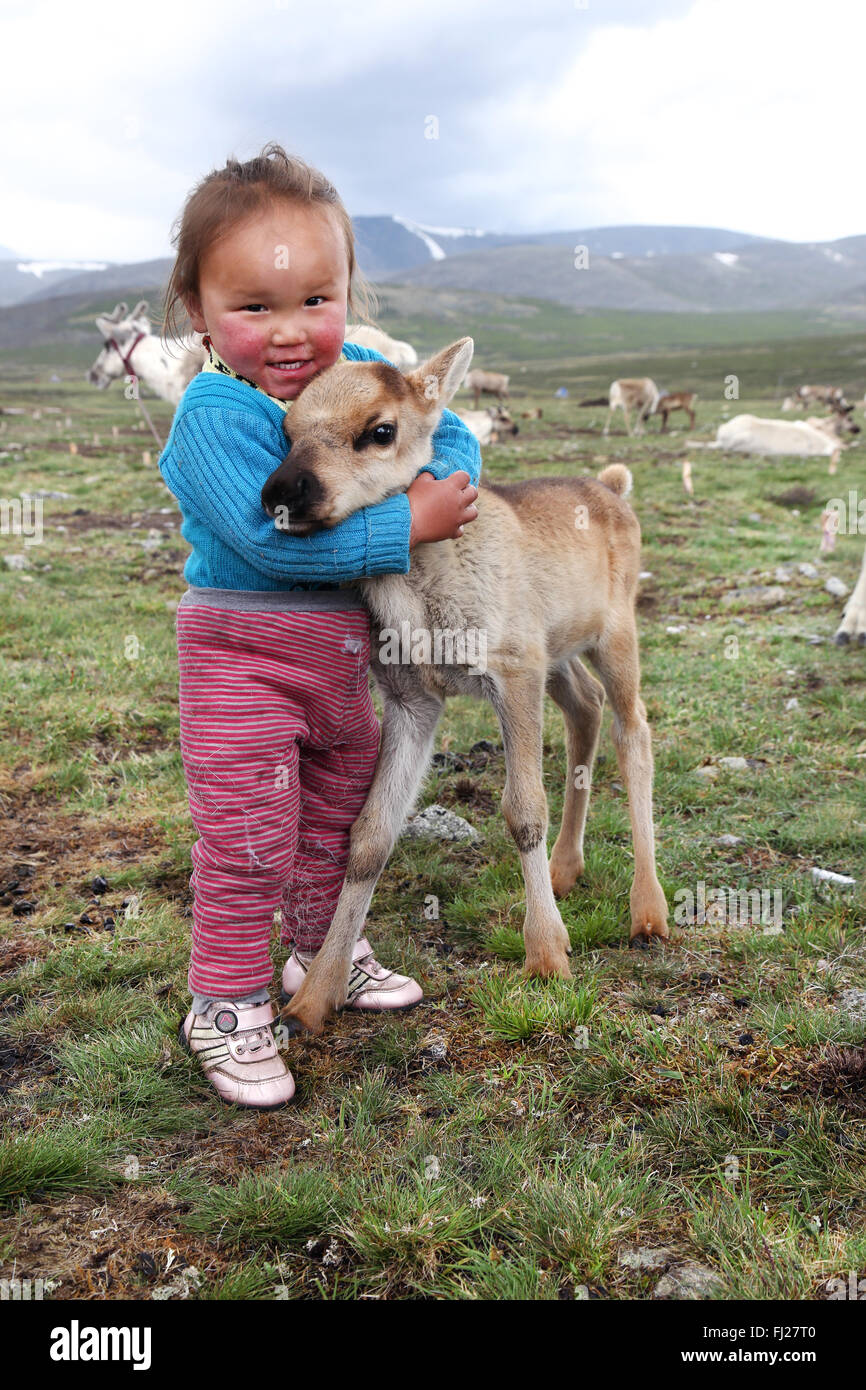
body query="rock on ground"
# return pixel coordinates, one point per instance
(436, 822)
(688, 1281)
(645, 1258)
(853, 1002)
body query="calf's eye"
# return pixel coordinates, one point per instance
(384, 434)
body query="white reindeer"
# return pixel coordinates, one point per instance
(403, 355)
(639, 394)
(853, 625)
(132, 349)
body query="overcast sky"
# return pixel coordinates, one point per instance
(553, 114)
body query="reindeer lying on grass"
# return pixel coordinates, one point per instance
(548, 572)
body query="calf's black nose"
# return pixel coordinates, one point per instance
(291, 487)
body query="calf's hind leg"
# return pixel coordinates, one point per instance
(581, 700)
(518, 702)
(617, 662)
(408, 728)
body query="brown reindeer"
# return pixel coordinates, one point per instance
(547, 574)
(677, 400)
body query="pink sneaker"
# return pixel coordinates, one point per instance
(238, 1054)
(371, 986)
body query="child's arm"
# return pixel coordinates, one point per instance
(217, 464)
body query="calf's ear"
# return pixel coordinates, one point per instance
(438, 379)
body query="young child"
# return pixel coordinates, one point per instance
(278, 732)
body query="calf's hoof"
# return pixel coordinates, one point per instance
(643, 932)
(548, 963)
(564, 875)
(299, 1018)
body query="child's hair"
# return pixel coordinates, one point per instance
(228, 196)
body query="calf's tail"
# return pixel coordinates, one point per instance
(618, 478)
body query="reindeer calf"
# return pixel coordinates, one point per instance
(548, 572)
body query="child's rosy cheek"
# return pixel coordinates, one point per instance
(330, 338)
(245, 340)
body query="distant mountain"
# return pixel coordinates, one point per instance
(67, 319)
(385, 245)
(673, 270)
(762, 275)
(20, 278)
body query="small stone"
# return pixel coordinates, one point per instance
(853, 1003)
(436, 822)
(728, 841)
(435, 1045)
(98, 885)
(688, 1281)
(792, 704)
(734, 764)
(764, 595)
(16, 562)
(745, 1040)
(837, 587)
(645, 1258)
(808, 570)
(710, 772)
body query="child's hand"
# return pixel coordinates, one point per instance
(440, 507)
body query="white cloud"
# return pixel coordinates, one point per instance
(737, 113)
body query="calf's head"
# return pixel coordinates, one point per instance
(358, 433)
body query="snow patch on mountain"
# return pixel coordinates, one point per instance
(40, 268)
(429, 235)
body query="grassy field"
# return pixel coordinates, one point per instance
(704, 1101)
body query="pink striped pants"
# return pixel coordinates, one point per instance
(279, 739)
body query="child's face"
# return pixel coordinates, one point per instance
(273, 292)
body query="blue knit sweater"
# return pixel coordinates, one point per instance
(225, 441)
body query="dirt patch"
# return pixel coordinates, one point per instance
(122, 1249)
(83, 520)
(467, 793)
(797, 496)
(40, 849)
(840, 1074)
(21, 1064)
